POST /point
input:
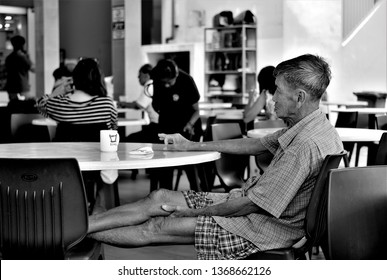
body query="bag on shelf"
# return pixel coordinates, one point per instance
(224, 18)
(246, 17)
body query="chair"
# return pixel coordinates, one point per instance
(263, 160)
(381, 122)
(229, 168)
(69, 132)
(315, 219)
(22, 129)
(381, 154)
(90, 132)
(44, 213)
(357, 213)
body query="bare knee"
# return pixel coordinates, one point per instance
(160, 195)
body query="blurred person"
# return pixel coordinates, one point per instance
(148, 134)
(268, 212)
(88, 104)
(17, 65)
(175, 99)
(263, 99)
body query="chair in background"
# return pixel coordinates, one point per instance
(229, 168)
(90, 132)
(22, 129)
(44, 213)
(263, 160)
(205, 172)
(381, 154)
(381, 122)
(357, 213)
(315, 219)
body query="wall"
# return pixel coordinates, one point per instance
(316, 27)
(364, 57)
(268, 14)
(85, 30)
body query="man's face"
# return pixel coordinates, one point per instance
(285, 98)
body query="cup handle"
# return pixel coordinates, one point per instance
(118, 137)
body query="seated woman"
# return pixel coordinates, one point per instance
(263, 99)
(87, 105)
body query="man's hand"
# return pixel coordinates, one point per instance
(178, 211)
(174, 139)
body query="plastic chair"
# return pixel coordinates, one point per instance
(381, 154)
(357, 211)
(263, 160)
(90, 132)
(315, 219)
(229, 168)
(44, 213)
(381, 122)
(22, 129)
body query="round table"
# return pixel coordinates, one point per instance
(90, 157)
(346, 134)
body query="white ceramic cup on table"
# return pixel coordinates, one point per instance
(109, 140)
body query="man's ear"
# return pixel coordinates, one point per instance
(301, 97)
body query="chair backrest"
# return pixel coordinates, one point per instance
(316, 215)
(357, 213)
(69, 132)
(346, 119)
(381, 122)
(269, 123)
(43, 207)
(22, 129)
(230, 168)
(381, 154)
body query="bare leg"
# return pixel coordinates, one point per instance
(137, 212)
(157, 230)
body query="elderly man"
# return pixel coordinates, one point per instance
(268, 212)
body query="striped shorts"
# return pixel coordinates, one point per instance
(212, 242)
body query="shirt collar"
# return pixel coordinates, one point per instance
(286, 138)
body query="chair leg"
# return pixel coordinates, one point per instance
(178, 176)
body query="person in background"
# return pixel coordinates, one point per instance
(148, 134)
(63, 81)
(269, 211)
(87, 105)
(263, 99)
(17, 65)
(175, 99)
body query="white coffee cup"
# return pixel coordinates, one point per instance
(109, 140)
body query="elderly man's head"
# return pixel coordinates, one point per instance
(308, 72)
(300, 83)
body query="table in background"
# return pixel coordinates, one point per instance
(213, 106)
(346, 134)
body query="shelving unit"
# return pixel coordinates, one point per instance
(230, 62)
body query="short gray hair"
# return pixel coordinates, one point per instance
(309, 72)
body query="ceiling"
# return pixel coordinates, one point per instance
(17, 3)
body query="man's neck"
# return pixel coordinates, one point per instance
(302, 113)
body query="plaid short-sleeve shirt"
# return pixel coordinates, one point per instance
(285, 188)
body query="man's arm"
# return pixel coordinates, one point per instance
(241, 146)
(240, 206)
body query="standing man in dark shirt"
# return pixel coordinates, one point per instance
(17, 65)
(176, 99)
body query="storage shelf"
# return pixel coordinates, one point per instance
(230, 61)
